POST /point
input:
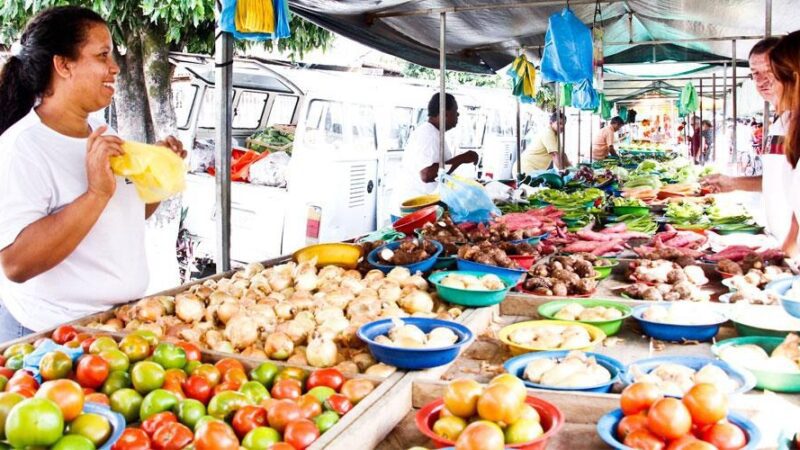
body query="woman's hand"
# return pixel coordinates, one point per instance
(718, 183)
(174, 144)
(99, 149)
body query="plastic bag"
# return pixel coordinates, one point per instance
(603, 107)
(584, 97)
(270, 171)
(202, 157)
(523, 74)
(466, 199)
(567, 55)
(565, 99)
(227, 21)
(255, 16)
(156, 172)
(687, 103)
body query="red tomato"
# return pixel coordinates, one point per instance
(301, 433)
(331, 378)
(247, 418)
(6, 372)
(64, 334)
(92, 371)
(310, 406)
(669, 418)
(644, 440)
(287, 389)
(235, 377)
(97, 397)
(222, 387)
(24, 391)
(638, 397)
(66, 394)
(631, 423)
(725, 436)
(216, 435)
(707, 404)
(86, 343)
(198, 388)
(192, 351)
(339, 404)
(225, 364)
(156, 421)
(132, 439)
(282, 412)
(172, 436)
(689, 442)
(281, 446)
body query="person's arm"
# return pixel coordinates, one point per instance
(725, 183)
(790, 244)
(612, 151)
(172, 143)
(46, 242)
(428, 174)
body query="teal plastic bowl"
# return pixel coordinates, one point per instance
(609, 327)
(765, 380)
(605, 271)
(466, 297)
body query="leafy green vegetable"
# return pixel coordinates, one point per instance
(564, 200)
(621, 202)
(644, 224)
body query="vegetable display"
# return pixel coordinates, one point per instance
(567, 201)
(575, 370)
(785, 358)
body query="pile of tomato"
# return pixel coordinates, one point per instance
(487, 418)
(697, 422)
(169, 397)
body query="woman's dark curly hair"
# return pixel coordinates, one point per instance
(58, 31)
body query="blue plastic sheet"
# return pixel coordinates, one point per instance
(32, 360)
(567, 56)
(466, 200)
(584, 97)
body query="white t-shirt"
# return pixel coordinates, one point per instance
(777, 175)
(41, 172)
(421, 151)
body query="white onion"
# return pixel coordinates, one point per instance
(321, 352)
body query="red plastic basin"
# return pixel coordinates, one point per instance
(417, 219)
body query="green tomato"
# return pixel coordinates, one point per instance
(294, 373)
(91, 426)
(102, 344)
(116, 360)
(3, 382)
(157, 401)
(15, 362)
(190, 411)
(135, 347)
(265, 373)
(170, 356)
(147, 376)
(149, 336)
(322, 393)
(116, 380)
(255, 391)
(326, 420)
(34, 422)
(204, 420)
(523, 430)
(23, 348)
(260, 438)
(55, 365)
(7, 401)
(209, 372)
(126, 402)
(224, 404)
(73, 442)
(191, 365)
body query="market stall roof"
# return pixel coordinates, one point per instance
(484, 36)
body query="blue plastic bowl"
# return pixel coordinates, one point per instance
(516, 366)
(742, 377)
(502, 272)
(115, 419)
(422, 266)
(791, 306)
(414, 359)
(677, 333)
(533, 240)
(607, 429)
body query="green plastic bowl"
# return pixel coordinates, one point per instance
(609, 327)
(466, 297)
(746, 330)
(772, 381)
(605, 271)
(631, 210)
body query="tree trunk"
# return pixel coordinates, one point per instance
(131, 106)
(158, 78)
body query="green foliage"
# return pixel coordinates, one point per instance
(412, 70)
(545, 98)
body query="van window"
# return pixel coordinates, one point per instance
(183, 95)
(208, 110)
(282, 112)
(339, 126)
(249, 109)
(402, 120)
(471, 126)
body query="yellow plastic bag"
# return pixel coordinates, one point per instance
(156, 171)
(255, 16)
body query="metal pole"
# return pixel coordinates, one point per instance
(767, 33)
(579, 136)
(733, 107)
(222, 156)
(700, 130)
(442, 87)
(519, 139)
(591, 137)
(725, 96)
(558, 120)
(714, 120)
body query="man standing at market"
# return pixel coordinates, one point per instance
(776, 170)
(542, 151)
(420, 164)
(603, 143)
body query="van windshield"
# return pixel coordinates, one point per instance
(340, 126)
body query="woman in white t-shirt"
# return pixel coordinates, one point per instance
(71, 232)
